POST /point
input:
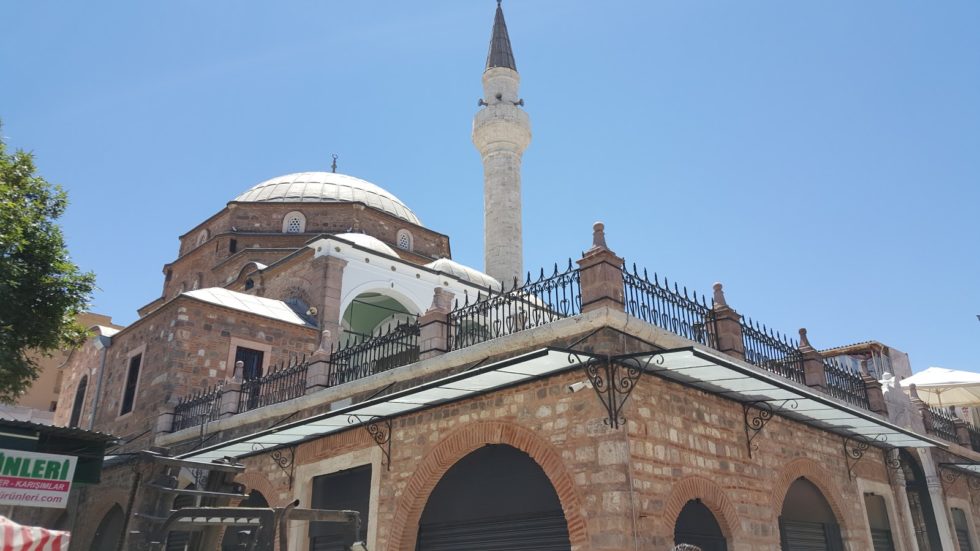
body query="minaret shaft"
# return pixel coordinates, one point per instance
(501, 133)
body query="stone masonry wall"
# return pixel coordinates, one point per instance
(679, 444)
(185, 347)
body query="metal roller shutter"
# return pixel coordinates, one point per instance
(882, 540)
(809, 536)
(963, 537)
(540, 532)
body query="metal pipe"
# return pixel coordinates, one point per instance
(101, 342)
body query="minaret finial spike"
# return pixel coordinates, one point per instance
(333, 165)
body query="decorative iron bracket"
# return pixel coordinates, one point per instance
(757, 415)
(613, 382)
(380, 430)
(286, 463)
(892, 461)
(284, 458)
(854, 448)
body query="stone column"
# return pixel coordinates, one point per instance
(329, 312)
(434, 325)
(600, 274)
(814, 374)
(728, 326)
(318, 372)
(230, 392)
(962, 432)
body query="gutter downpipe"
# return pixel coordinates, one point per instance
(102, 342)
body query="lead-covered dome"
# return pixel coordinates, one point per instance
(327, 187)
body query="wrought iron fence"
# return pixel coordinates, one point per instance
(396, 347)
(197, 408)
(772, 351)
(940, 422)
(674, 310)
(284, 382)
(974, 438)
(532, 304)
(845, 384)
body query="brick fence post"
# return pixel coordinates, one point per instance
(962, 432)
(318, 372)
(728, 326)
(165, 421)
(434, 325)
(600, 274)
(872, 387)
(814, 374)
(230, 392)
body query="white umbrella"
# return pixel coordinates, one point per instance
(938, 386)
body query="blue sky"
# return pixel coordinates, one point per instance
(820, 159)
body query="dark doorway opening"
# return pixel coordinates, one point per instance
(109, 530)
(807, 523)
(697, 526)
(494, 499)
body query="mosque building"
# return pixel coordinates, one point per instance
(315, 341)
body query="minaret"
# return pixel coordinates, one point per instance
(501, 132)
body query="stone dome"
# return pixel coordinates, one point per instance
(463, 272)
(327, 187)
(368, 242)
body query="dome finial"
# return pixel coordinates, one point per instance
(333, 165)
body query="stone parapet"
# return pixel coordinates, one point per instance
(434, 325)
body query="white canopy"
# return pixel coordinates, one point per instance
(938, 386)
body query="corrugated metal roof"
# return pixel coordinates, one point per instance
(54, 430)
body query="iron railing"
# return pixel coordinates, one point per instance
(197, 408)
(772, 351)
(396, 347)
(535, 303)
(940, 422)
(284, 382)
(845, 384)
(974, 437)
(671, 309)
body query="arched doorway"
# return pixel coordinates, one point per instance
(371, 313)
(806, 522)
(697, 526)
(109, 531)
(76, 407)
(236, 539)
(494, 499)
(920, 505)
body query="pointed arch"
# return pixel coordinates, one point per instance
(711, 495)
(459, 444)
(815, 474)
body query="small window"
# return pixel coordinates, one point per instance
(232, 245)
(202, 237)
(132, 379)
(405, 240)
(294, 222)
(345, 490)
(76, 407)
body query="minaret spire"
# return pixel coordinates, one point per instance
(501, 133)
(500, 54)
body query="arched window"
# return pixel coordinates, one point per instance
(76, 408)
(202, 237)
(109, 531)
(404, 240)
(294, 222)
(496, 496)
(697, 526)
(807, 521)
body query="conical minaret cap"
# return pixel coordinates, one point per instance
(500, 54)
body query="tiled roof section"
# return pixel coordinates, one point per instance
(266, 307)
(500, 54)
